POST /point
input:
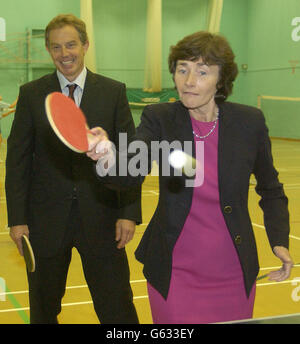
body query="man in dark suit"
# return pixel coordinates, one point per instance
(53, 195)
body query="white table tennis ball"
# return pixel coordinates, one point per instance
(177, 159)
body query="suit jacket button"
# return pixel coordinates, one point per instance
(238, 239)
(227, 209)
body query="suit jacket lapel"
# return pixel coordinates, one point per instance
(52, 84)
(90, 92)
(225, 155)
(182, 125)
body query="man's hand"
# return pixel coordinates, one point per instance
(16, 233)
(124, 231)
(99, 144)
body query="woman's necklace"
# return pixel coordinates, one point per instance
(211, 130)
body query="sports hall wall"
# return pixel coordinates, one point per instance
(268, 45)
(263, 35)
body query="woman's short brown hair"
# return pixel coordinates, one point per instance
(214, 49)
(67, 19)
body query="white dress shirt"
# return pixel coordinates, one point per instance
(79, 81)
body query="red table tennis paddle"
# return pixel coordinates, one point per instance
(68, 121)
(28, 254)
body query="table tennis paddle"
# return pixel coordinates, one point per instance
(28, 254)
(68, 121)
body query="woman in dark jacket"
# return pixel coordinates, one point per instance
(199, 251)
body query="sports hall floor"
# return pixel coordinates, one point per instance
(271, 298)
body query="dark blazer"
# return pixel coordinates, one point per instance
(244, 148)
(42, 173)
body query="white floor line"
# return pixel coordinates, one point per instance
(68, 287)
(64, 305)
(14, 309)
(259, 226)
(294, 237)
(263, 227)
(270, 268)
(275, 283)
(135, 297)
